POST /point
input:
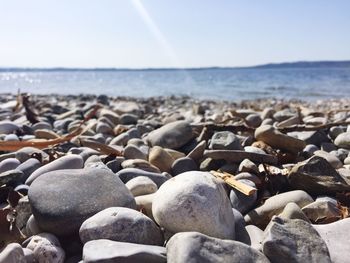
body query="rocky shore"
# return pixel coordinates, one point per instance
(100, 179)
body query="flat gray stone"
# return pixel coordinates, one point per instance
(294, 241)
(172, 135)
(62, 200)
(243, 203)
(7, 127)
(316, 176)
(184, 164)
(13, 253)
(121, 224)
(195, 247)
(225, 140)
(28, 167)
(194, 201)
(293, 211)
(108, 251)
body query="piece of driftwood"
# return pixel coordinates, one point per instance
(100, 147)
(236, 156)
(230, 180)
(302, 127)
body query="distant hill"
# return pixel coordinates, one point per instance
(306, 64)
(299, 64)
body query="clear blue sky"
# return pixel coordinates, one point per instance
(168, 33)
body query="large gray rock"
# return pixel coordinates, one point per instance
(194, 201)
(28, 167)
(62, 200)
(121, 224)
(293, 241)
(336, 236)
(317, 176)
(129, 173)
(72, 161)
(195, 247)
(225, 140)
(172, 135)
(108, 251)
(262, 215)
(343, 140)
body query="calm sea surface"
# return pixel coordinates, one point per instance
(227, 84)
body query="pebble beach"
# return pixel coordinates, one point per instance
(87, 178)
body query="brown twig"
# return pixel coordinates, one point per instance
(312, 128)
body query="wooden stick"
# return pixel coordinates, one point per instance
(231, 181)
(313, 128)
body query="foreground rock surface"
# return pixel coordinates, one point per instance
(61, 200)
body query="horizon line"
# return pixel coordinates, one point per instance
(266, 65)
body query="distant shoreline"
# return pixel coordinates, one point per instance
(299, 64)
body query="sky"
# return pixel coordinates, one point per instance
(171, 33)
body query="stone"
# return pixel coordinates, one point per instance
(13, 253)
(128, 118)
(8, 164)
(29, 255)
(274, 205)
(269, 135)
(141, 165)
(309, 150)
(311, 137)
(11, 138)
(121, 224)
(293, 211)
(293, 240)
(328, 147)
(225, 140)
(46, 248)
(194, 201)
(11, 176)
(256, 236)
(172, 135)
(243, 203)
(141, 185)
(160, 158)
(61, 200)
(248, 176)
(343, 140)
(129, 173)
(104, 250)
(253, 120)
(195, 247)
(182, 165)
(248, 166)
(41, 125)
(337, 239)
(133, 152)
(72, 161)
(104, 128)
(197, 153)
(25, 153)
(45, 134)
(322, 210)
(28, 167)
(335, 131)
(241, 234)
(32, 227)
(253, 149)
(316, 176)
(332, 159)
(144, 204)
(7, 127)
